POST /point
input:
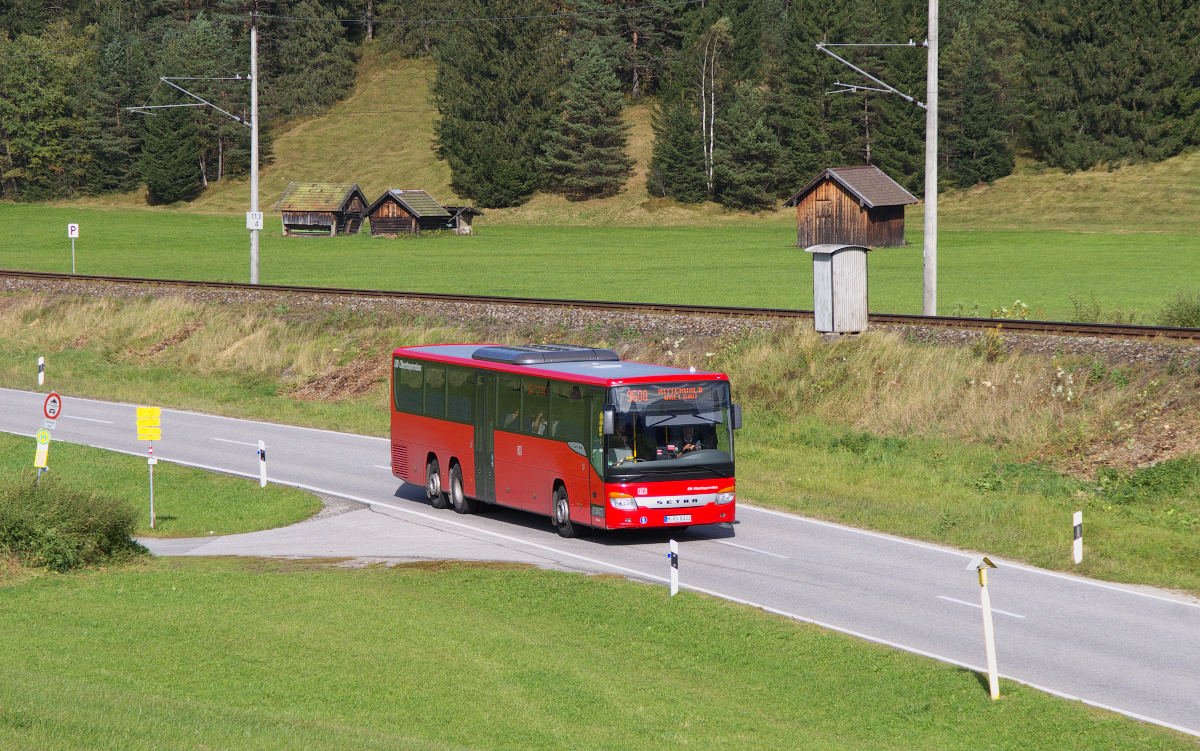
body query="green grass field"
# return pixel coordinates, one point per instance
(188, 502)
(226, 653)
(749, 264)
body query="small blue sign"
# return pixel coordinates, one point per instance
(643, 520)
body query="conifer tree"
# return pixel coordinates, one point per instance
(170, 155)
(983, 155)
(120, 78)
(585, 151)
(496, 90)
(676, 167)
(746, 161)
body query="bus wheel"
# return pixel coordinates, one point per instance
(562, 515)
(433, 485)
(458, 499)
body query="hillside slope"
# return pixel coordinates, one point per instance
(381, 137)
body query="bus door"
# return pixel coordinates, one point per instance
(595, 449)
(485, 437)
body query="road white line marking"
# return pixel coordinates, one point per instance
(216, 417)
(89, 419)
(977, 606)
(380, 466)
(743, 547)
(652, 577)
(240, 443)
(951, 551)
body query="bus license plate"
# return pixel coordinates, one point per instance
(677, 519)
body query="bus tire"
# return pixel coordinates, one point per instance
(433, 485)
(462, 504)
(562, 514)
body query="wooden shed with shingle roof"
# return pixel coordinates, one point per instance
(322, 208)
(406, 212)
(851, 206)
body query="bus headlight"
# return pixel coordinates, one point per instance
(724, 497)
(622, 501)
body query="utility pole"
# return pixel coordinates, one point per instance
(254, 145)
(929, 298)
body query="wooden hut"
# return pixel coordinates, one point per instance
(461, 217)
(406, 212)
(851, 206)
(322, 208)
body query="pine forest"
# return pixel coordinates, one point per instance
(530, 93)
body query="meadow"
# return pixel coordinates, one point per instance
(232, 653)
(187, 502)
(752, 263)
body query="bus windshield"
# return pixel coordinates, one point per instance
(670, 429)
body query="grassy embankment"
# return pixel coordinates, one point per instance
(187, 502)
(929, 442)
(249, 655)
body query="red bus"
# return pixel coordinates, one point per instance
(570, 432)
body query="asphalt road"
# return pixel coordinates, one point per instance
(1132, 650)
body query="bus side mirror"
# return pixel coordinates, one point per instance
(608, 426)
(736, 417)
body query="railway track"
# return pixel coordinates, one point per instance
(1059, 328)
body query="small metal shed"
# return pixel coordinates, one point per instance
(839, 288)
(406, 211)
(324, 208)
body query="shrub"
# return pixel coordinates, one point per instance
(1172, 478)
(989, 345)
(58, 527)
(1019, 311)
(1184, 310)
(1092, 311)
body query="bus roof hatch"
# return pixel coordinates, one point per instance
(538, 354)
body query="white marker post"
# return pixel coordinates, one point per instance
(262, 464)
(41, 371)
(673, 557)
(1078, 524)
(982, 564)
(72, 232)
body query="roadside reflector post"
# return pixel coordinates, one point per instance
(982, 564)
(41, 371)
(151, 461)
(262, 464)
(673, 557)
(1077, 522)
(148, 428)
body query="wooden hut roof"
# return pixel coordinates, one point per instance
(466, 210)
(868, 184)
(317, 197)
(417, 202)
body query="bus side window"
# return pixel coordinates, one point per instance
(535, 407)
(508, 403)
(435, 390)
(408, 380)
(595, 431)
(460, 390)
(568, 413)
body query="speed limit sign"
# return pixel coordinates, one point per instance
(53, 406)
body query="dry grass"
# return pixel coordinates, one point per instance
(1080, 413)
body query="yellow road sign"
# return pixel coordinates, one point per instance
(149, 434)
(149, 412)
(43, 437)
(148, 422)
